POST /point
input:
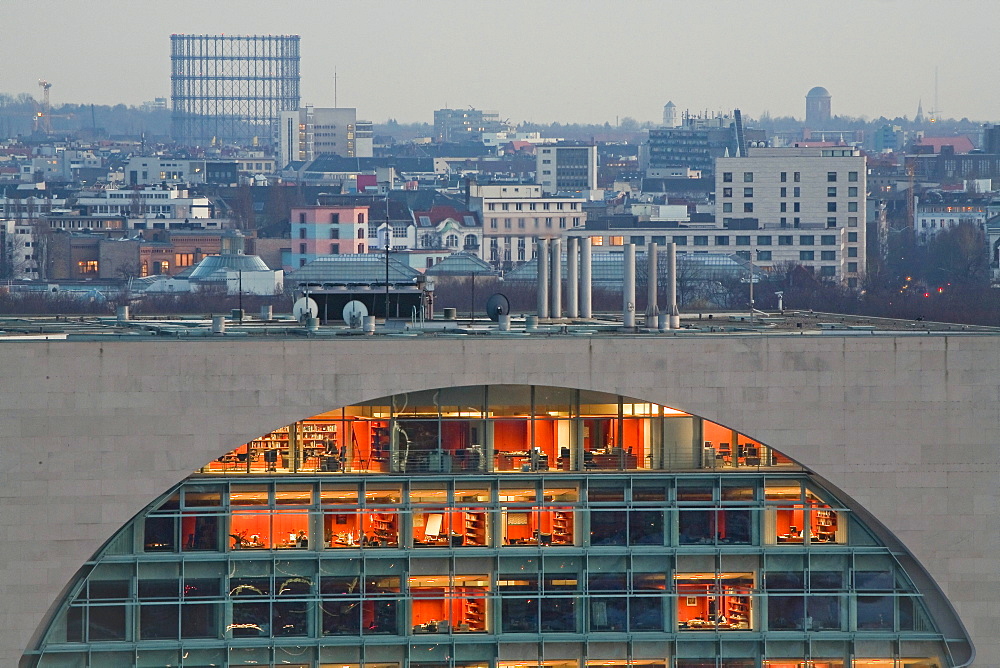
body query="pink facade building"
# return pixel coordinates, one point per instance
(327, 230)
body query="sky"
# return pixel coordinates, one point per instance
(571, 61)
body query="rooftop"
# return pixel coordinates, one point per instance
(788, 323)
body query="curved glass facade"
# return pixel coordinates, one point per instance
(497, 527)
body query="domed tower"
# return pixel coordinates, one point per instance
(817, 106)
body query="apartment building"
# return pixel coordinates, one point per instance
(566, 168)
(793, 205)
(327, 230)
(310, 132)
(515, 216)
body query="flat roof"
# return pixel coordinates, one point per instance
(725, 323)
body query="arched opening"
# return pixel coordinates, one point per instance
(499, 519)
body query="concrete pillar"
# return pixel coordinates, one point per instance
(122, 314)
(671, 306)
(542, 252)
(556, 260)
(266, 312)
(503, 322)
(585, 278)
(572, 277)
(218, 324)
(628, 288)
(652, 285)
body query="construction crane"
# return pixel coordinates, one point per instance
(44, 115)
(42, 121)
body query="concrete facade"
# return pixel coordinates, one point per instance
(907, 425)
(798, 195)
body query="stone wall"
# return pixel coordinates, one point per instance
(93, 431)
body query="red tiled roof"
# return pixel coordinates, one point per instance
(961, 144)
(439, 213)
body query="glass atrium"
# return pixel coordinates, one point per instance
(497, 527)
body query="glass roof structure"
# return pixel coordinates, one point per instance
(461, 264)
(353, 270)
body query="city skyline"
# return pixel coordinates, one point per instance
(539, 63)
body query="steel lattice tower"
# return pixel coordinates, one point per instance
(232, 88)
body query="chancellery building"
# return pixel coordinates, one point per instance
(659, 502)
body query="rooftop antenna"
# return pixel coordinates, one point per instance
(335, 87)
(935, 112)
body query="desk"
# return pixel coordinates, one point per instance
(510, 460)
(612, 460)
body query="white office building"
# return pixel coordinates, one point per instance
(795, 205)
(566, 168)
(310, 132)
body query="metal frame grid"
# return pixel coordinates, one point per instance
(232, 88)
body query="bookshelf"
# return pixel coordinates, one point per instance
(475, 529)
(475, 613)
(738, 610)
(384, 529)
(562, 527)
(826, 526)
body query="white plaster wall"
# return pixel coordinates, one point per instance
(907, 425)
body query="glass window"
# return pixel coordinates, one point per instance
(608, 527)
(519, 600)
(748, 177)
(714, 601)
(727, 177)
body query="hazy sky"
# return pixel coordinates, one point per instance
(538, 60)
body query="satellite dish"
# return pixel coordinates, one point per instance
(353, 312)
(496, 306)
(305, 307)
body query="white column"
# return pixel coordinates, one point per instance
(556, 287)
(628, 288)
(652, 284)
(675, 317)
(572, 277)
(585, 280)
(542, 250)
